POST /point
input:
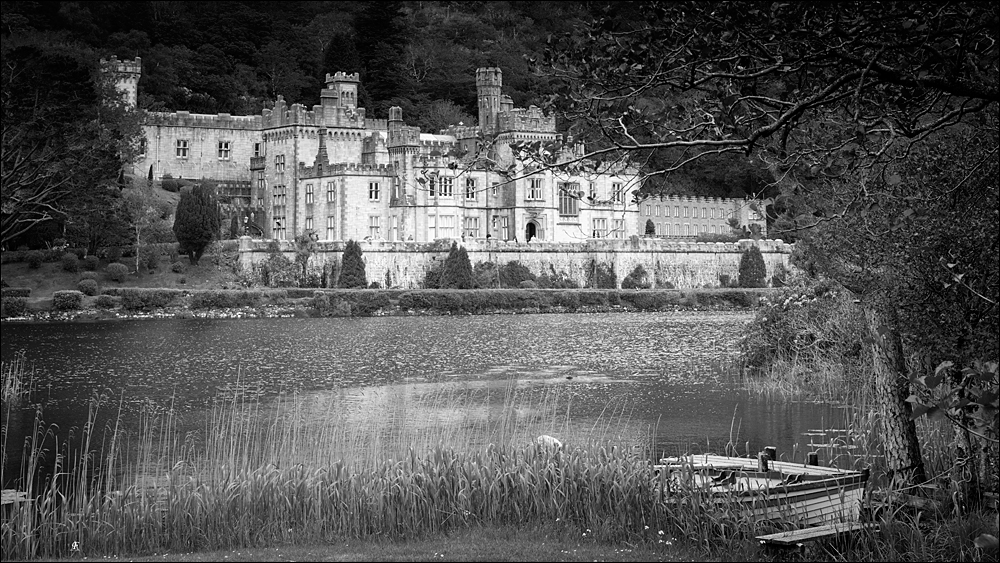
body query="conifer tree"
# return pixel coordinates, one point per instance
(197, 221)
(650, 228)
(753, 272)
(457, 271)
(352, 271)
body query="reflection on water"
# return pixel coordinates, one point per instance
(653, 372)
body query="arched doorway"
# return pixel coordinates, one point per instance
(530, 231)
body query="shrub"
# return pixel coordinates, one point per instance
(650, 228)
(114, 254)
(513, 273)
(87, 286)
(226, 299)
(91, 262)
(141, 299)
(16, 291)
(68, 300)
(485, 275)
(725, 280)
(106, 301)
(457, 271)
(197, 221)
(528, 284)
(753, 272)
(637, 279)
(70, 262)
(601, 276)
(149, 258)
(89, 275)
(34, 259)
(13, 306)
(117, 271)
(178, 267)
(352, 272)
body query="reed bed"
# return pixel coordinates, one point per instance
(291, 472)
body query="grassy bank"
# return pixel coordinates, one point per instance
(116, 302)
(335, 481)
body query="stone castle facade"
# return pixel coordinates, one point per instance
(336, 172)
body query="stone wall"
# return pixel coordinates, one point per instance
(670, 264)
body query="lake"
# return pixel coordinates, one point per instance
(668, 375)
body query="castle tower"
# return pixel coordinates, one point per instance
(341, 90)
(126, 75)
(488, 83)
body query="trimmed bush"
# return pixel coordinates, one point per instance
(87, 287)
(114, 254)
(68, 300)
(13, 307)
(178, 267)
(16, 292)
(226, 299)
(457, 271)
(753, 272)
(601, 275)
(141, 299)
(528, 284)
(34, 259)
(650, 228)
(89, 275)
(352, 272)
(70, 262)
(117, 271)
(637, 279)
(149, 258)
(91, 262)
(513, 273)
(107, 302)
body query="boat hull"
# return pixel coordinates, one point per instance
(796, 493)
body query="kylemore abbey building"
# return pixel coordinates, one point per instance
(343, 175)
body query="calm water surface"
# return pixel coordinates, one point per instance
(669, 373)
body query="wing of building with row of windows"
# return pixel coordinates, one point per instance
(336, 172)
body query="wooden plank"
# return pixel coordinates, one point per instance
(803, 535)
(13, 496)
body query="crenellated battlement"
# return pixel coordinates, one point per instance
(461, 132)
(404, 136)
(351, 169)
(203, 120)
(531, 119)
(124, 66)
(320, 116)
(697, 200)
(342, 77)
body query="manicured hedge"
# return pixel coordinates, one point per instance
(16, 292)
(87, 286)
(67, 300)
(143, 299)
(13, 306)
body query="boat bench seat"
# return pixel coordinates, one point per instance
(798, 538)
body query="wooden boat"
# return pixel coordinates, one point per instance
(798, 493)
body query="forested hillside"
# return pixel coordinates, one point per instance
(238, 57)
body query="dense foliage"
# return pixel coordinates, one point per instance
(457, 270)
(197, 222)
(352, 269)
(753, 271)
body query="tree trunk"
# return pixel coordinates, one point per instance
(892, 387)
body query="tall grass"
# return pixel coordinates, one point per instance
(296, 471)
(807, 345)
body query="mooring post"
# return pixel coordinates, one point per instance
(772, 453)
(761, 461)
(813, 458)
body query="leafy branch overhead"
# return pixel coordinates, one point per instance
(819, 87)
